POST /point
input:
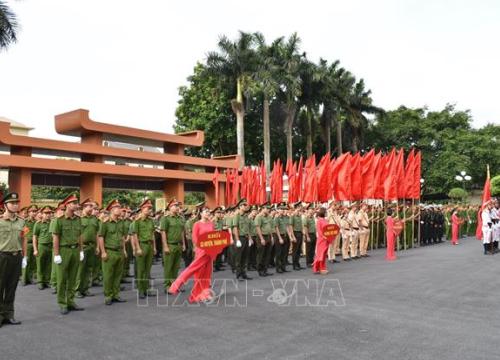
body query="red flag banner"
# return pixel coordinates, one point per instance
(213, 242)
(486, 198)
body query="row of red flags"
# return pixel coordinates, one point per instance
(348, 177)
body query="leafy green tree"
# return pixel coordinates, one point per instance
(495, 186)
(8, 26)
(458, 194)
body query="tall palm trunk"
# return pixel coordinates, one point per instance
(267, 136)
(290, 115)
(339, 137)
(328, 135)
(239, 110)
(309, 146)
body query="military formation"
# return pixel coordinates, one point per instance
(79, 245)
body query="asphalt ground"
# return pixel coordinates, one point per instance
(435, 302)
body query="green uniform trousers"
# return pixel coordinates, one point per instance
(112, 270)
(263, 252)
(171, 264)
(44, 264)
(53, 273)
(10, 270)
(241, 256)
(29, 271)
(143, 267)
(126, 262)
(85, 269)
(66, 276)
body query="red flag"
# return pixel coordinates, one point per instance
(311, 180)
(215, 181)
(299, 180)
(486, 198)
(343, 183)
(324, 178)
(400, 174)
(332, 177)
(390, 180)
(378, 182)
(262, 188)
(367, 174)
(409, 174)
(417, 176)
(356, 177)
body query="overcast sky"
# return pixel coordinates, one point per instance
(124, 60)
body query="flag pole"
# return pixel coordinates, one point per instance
(404, 227)
(371, 230)
(412, 223)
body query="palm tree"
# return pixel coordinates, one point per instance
(266, 82)
(331, 95)
(288, 61)
(235, 62)
(359, 103)
(8, 26)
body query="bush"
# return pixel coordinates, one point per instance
(458, 194)
(495, 186)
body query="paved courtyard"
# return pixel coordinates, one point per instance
(437, 302)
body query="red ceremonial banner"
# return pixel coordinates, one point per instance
(331, 231)
(214, 242)
(398, 227)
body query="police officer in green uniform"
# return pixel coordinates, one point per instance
(309, 225)
(12, 247)
(264, 228)
(30, 269)
(142, 230)
(173, 241)
(42, 248)
(252, 232)
(241, 235)
(296, 222)
(90, 225)
(127, 221)
(111, 237)
(68, 252)
(61, 208)
(281, 226)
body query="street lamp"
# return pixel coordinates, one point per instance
(463, 177)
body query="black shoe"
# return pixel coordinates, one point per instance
(108, 302)
(125, 281)
(64, 311)
(122, 288)
(75, 308)
(268, 273)
(88, 294)
(262, 273)
(150, 293)
(118, 300)
(142, 296)
(279, 271)
(11, 322)
(54, 291)
(217, 269)
(79, 295)
(348, 259)
(296, 268)
(41, 286)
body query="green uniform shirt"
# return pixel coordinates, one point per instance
(311, 224)
(144, 228)
(112, 232)
(42, 233)
(30, 224)
(282, 223)
(188, 228)
(11, 238)
(90, 225)
(242, 222)
(265, 223)
(251, 227)
(296, 221)
(68, 229)
(52, 225)
(173, 227)
(219, 224)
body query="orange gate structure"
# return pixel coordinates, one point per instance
(141, 159)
